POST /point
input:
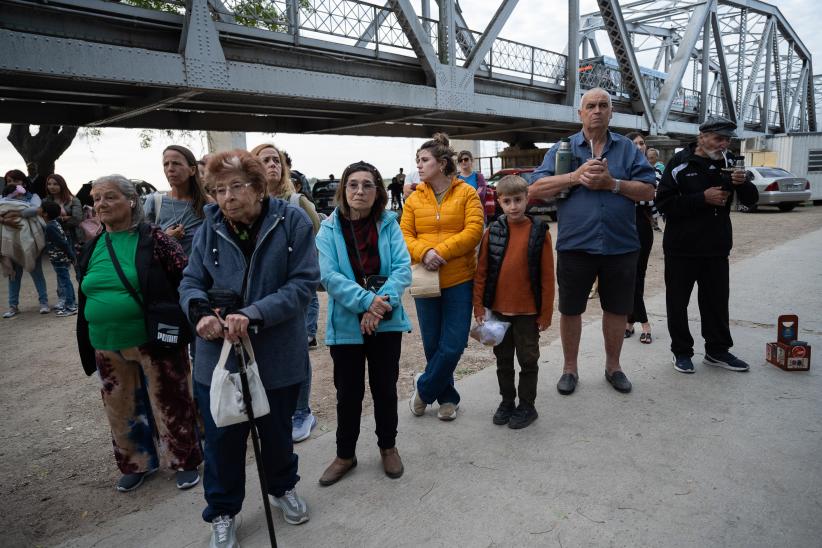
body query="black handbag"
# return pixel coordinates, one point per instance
(166, 324)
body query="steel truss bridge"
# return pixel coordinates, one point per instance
(359, 68)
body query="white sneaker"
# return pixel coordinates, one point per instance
(44, 309)
(301, 426)
(415, 402)
(447, 411)
(295, 509)
(12, 312)
(224, 533)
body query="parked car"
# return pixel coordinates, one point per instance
(778, 187)
(323, 192)
(539, 208)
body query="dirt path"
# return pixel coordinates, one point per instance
(58, 473)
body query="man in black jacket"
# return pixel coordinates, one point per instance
(695, 195)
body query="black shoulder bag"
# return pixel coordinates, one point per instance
(166, 324)
(373, 282)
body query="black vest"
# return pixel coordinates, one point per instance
(498, 242)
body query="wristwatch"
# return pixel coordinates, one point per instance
(617, 182)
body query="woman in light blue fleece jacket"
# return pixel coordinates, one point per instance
(365, 266)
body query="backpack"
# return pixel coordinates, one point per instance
(294, 200)
(158, 203)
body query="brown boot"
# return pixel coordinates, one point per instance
(336, 470)
(392, 463)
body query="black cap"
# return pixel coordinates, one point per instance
(718, 125)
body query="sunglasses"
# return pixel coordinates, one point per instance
(465, 159)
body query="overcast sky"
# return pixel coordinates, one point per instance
(541, 23)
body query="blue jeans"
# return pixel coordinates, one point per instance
(305, 393)
(444, 325)
(224, 471)
(312, 312)
(65, 287)
(39, 284)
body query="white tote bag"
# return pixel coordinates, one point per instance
(227, 406)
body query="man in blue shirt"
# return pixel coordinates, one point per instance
(597, 235)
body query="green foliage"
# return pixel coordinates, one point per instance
(250, 13)
(256, 13)
(159, 5)
(91, 134)
(147, 136)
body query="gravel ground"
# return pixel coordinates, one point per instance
(58, 473)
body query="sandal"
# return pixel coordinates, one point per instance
(629, 332)
(645, 338)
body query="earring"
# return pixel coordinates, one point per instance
(131, 204)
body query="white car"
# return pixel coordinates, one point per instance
(778, 188)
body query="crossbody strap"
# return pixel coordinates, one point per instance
(121, 274)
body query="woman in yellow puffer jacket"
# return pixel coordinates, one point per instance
(442, 223)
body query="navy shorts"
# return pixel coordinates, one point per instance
(576, 272)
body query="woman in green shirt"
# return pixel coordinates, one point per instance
(146, 390)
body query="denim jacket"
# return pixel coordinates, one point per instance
(346, 298)
(282, 275)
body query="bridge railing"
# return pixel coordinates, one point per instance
(375, 28)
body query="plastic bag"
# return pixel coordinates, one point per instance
(492, 331)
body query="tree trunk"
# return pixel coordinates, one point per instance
(41, 151)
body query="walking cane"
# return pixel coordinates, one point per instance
(223, 301)
(255, 440)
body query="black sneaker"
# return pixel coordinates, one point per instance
(312, 343)
(524, 415)
(186, 479)
(504, 412)
(683, 363)
(130, 482)
(725, 360)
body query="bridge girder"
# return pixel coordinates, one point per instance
(755, 40)
(89, 62)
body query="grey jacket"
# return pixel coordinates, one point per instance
(282, 276)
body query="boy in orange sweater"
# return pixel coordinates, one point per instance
(515, 279)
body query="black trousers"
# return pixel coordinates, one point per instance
(711, 276)
(522, 336)
(646, 242)
(382, 352)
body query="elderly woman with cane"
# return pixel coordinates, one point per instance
(262, 250)
(146, 387)
(365, 267)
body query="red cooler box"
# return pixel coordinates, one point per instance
(788, 352)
